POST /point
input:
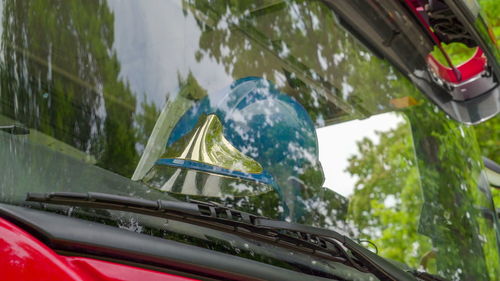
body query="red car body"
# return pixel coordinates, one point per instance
(23, 257)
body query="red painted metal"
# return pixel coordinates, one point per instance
(23, 257)
(103, 270)
(469, 69)
(453, 74)
(412, 5)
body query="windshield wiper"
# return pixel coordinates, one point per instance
(15, 130)
(323, 243)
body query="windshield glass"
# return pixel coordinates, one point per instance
(272, 107)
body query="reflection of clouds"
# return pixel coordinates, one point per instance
(153, 51)
(297, 152)
(322, 60)
(338, 142)
(347, 89)
(239, 187)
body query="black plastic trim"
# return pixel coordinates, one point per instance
(73, 235)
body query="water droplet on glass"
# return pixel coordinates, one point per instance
(70, 211)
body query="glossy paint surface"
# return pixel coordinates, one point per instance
(89, 80)
(469, 69)
(23, 257)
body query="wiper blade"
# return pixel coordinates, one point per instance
(315, 241)
(206, 214)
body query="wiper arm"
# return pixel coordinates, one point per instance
(316, 241)
(205, 214)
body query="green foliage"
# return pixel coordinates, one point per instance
(146, 120)
(487, 134)
(70, 76)
(417, 191)
(265, 39)
(386, 202)
(458, 52)
(426, 199)
(496, 197)
(491, 11)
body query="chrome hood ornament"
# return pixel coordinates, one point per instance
(205, 163)
(206, 144)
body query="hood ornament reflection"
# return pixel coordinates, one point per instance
(207, 145)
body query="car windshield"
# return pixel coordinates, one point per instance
(272, 107)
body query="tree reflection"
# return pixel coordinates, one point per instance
(60, 76)
(450, 167)
(429, 207)
(386, 202)
(268, 39)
